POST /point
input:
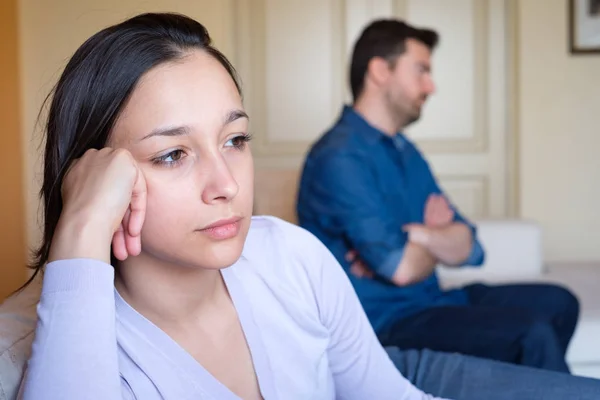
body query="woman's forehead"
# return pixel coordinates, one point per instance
(193, 91)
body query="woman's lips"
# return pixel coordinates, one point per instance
(223, 229)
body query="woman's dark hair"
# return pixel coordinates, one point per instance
(95, 86)
(385, 38)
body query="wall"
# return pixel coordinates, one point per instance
(559, 133)
(555, 97)
(463, 127)
(12, 234)
(463, 130)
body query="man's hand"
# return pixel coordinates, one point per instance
(416, 265)
(450, 244)
(358, 268)
(438, 212)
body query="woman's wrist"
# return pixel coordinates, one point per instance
(81, 237)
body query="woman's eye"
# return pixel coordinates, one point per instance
(169, 159)
(174, 156)
(239, 142)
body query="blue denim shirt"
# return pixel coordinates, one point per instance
(358, 188)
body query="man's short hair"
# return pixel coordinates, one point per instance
(385, 38)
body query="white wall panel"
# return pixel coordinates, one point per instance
(294, 58)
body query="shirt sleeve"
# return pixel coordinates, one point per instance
(345, 195)
(360, 366)
(74, 353)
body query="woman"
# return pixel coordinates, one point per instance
(147, 168)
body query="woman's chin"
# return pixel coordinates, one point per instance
(221, 255)
(217, 262)
(213, 256)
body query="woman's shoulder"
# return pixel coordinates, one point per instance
(274, 241)
(271, 228)
(269, 224)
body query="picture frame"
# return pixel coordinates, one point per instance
(584, 26)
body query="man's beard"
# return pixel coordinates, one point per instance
(414, 117)
(406, 111)
(409, 115)
(414, 114)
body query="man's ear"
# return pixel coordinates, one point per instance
(379, 70)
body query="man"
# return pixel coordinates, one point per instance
(368, 194)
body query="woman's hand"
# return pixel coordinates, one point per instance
(104, 201)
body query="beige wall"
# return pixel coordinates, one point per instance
(559, 133)
(12, 234)
(556, 98)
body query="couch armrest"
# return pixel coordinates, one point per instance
(513, 249)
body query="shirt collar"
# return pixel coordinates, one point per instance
(370, 133)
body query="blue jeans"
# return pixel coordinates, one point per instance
(459, 377)
(529, 324)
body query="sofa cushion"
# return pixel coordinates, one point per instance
(513, 248)
(17, 325)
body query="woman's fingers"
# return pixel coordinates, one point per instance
(137, 206)
(131, 242)
(119, 246)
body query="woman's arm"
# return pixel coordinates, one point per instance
(74, 354)
(361, 367)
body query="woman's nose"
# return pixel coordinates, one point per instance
(220, 186)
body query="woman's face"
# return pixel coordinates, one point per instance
(186, 127)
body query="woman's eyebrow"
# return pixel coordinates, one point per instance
(169, 131)
(185, 130)
(234, 115)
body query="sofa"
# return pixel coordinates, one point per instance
(17, 325)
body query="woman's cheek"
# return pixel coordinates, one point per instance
(241, 166)
(169, 202)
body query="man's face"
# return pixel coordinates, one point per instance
(410, 82)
